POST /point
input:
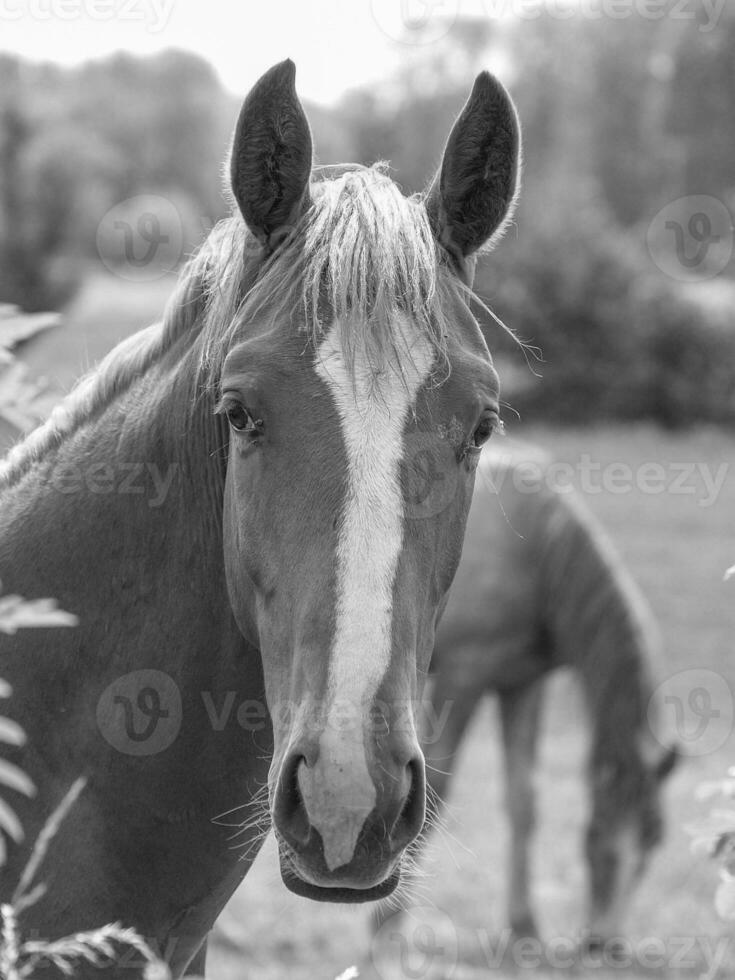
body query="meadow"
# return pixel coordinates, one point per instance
(677, 541)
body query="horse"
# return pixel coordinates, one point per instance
(540, 587)
(253, 636)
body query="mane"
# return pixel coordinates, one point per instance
(362, 254)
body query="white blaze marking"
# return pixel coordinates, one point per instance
(338, 792)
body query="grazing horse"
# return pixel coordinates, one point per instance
(253, 631)
(539, 587)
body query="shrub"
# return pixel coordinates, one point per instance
(619, 340)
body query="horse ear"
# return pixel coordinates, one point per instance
(667, 763)
(474, 193)
(270, 163)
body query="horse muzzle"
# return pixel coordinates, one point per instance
(343, 822)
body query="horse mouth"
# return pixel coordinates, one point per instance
(343, 894)
(351, 884)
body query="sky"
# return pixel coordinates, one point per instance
(336, 45)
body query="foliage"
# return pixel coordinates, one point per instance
(74, 143)
(21, 959)
(98, 947)
(11, 777)
(619, 340)
(17, 613)
(715, 837)
(21, 402)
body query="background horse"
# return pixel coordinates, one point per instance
(318, 341)
(540, 587)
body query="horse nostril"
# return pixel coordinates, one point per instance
(289, 814)
(413, 812)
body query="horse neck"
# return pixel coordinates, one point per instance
(601, 629)
(121, 523)
(142, 567)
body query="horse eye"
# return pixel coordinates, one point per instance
(488, 425)
(241, 419)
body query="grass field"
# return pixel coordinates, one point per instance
(677, 544)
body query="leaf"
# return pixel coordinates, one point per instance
(715, 787)
(10, 824)
(96, 947)
(19, 396)
(44, 839)
(16, 327)
(11, 733)
(14, 778)
(725, 896)
(18, 613)
(717, 823)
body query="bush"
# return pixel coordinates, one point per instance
(619, 340)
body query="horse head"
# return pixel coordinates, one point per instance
(626, 825)
(356, 393)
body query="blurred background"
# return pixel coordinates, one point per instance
(115, 120)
